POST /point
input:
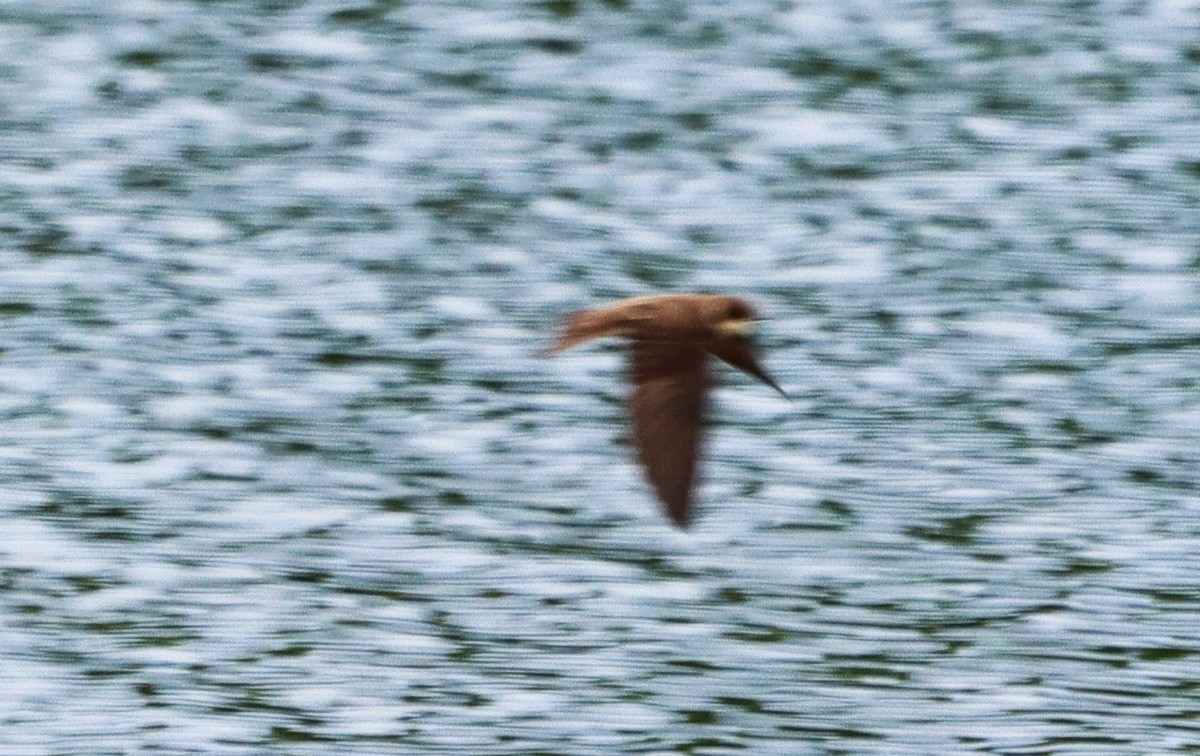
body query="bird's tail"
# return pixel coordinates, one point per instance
(585, 325)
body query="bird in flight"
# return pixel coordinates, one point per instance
(671, 337)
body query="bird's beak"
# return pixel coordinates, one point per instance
(735, 327)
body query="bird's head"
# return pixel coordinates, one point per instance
(733, 318)
(733, 321)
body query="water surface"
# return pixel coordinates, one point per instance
(282, 473)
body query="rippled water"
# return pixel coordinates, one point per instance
(283, 474)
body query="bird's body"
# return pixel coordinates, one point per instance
(671, 337)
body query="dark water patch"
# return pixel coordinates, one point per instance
(145, 58)
(955, 531)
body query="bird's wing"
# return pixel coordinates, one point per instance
(669, 383)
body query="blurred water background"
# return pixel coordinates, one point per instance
(282, 474)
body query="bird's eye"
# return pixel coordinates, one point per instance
(738, 311)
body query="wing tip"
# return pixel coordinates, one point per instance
(678, 509)
(682, 522)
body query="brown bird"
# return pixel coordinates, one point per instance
(672, 336)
